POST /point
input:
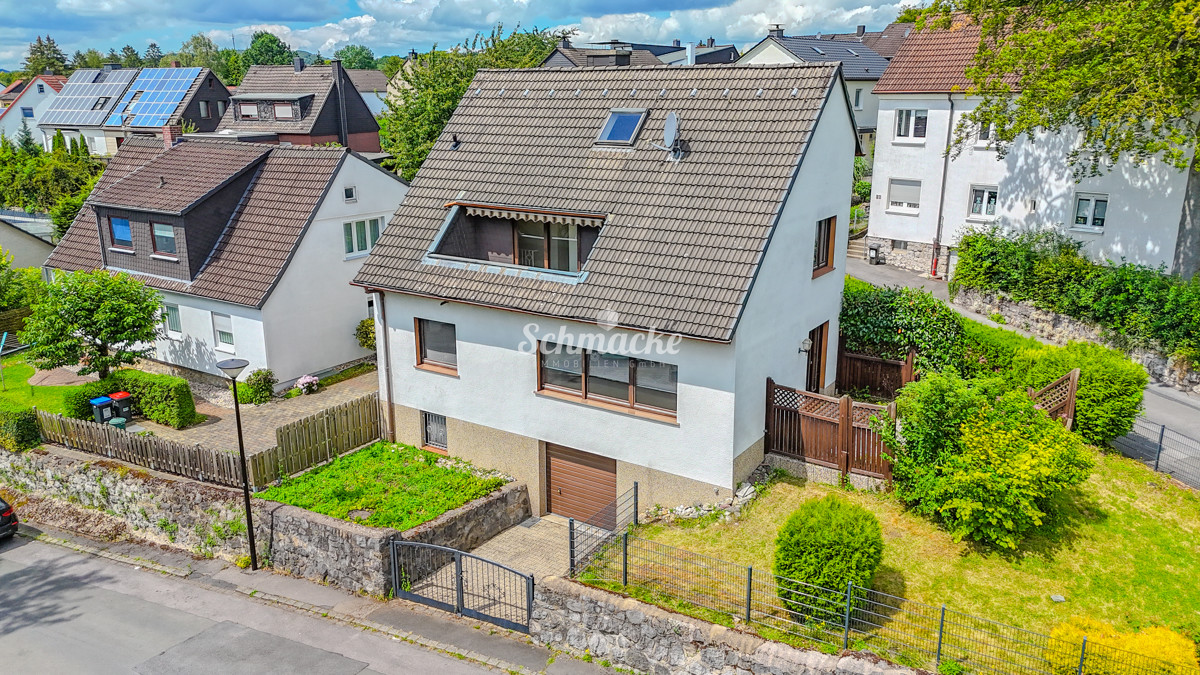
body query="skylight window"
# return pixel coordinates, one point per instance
(818, 50)
(622, 127)
(852, 51)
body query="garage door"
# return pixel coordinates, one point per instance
(581, 485)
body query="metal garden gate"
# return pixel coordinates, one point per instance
(456, 581)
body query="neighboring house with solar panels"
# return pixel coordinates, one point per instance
(252, 246)
(558, 209)
(161, 97)
(84, 105)
(30, 105)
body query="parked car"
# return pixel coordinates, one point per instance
(8, 520)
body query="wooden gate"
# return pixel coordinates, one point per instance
(826, 431)
(882, 378)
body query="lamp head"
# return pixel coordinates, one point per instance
(233, 367)
(805, 345)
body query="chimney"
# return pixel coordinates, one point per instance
(47, 71)
(175, 64)
(675, 42)
(109, 67)
(860, 31)
(775, 31)
(172, 134)
(565, 43)
(297, 64)
(691, 54)
(712, 42)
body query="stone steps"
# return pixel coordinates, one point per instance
(857, 249)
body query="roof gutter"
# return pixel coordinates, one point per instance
(937, 237)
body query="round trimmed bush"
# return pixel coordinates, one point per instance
(825, 545)
(365, 334)
(259, 387)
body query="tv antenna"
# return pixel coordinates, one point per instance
(671, 137)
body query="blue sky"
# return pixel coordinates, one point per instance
(395, 26)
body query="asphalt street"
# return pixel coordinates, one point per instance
(63, 612)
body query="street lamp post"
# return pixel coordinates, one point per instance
(233, 368)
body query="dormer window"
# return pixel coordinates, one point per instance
(622, 127)
(554, 244)
(248, 111)
(551, 246)
(283, 111)
(122, 233)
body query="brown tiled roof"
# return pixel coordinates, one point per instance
(176, 181)
(885, 42)
(262, 233)
(372, 81)
(682, 241)
(314, 80)
(933, 61)
(579, 56)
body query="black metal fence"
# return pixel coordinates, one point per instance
(808, 616)
(459, 582)
(586, 537)
(1163, 450)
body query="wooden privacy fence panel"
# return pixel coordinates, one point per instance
(882, 378)
(1058, 398)
(826, 431)
(317, 439)
(159, 454)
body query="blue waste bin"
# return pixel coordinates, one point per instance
(102, 409)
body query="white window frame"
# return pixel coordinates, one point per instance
(205, 110)
(357, 243)
(906, 207)
(904, 130)
(242, 107)
(858, 105)
(350, 194)
(1093, 198)
(982, 215)
(172, 333)
(41, 88)
(221, 346)
(985, 135)
(291, 113)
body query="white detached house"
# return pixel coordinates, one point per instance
(252, 247)
(580, 297)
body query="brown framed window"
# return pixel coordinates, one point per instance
(121, 231)
(437, 347)
(823, 249)
(164, 239)
(609, 379)
(816, 357)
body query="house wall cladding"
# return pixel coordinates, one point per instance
(632, 634)
(1060, 329)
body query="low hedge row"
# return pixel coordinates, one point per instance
(165, 399)
(19, 429)
(1138, 305)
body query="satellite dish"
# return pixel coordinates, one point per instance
(671, 130)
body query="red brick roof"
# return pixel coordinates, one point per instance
(933, 61)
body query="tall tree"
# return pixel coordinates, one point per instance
(910, 14)
(130, 57)
(266, 49)
(112, 56)
(44, 54)
(25, 140)
(95, 319)
(356, 57)
(90, 58)
(1122, 74)
(390, 65)
(198, 51)
(229, 67)
(437, 80)
(153, 55)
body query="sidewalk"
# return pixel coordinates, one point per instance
(483, 643)
(1163, 404)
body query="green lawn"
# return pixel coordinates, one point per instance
(400, 485)
(18, 393)
(1125, 550)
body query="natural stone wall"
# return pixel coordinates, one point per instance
(917, 256)
(632, 634)
(474, 523)
(1060, 329)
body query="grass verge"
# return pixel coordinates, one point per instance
(18, 394)
(400, 485)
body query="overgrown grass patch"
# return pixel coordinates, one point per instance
(400, 485)
(1124, 549)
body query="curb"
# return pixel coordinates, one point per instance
(115, 557)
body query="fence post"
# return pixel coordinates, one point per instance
(941, 627)
(1082, 655)
(845, 434)
(458, 583)
(907, 371)
(635, 502)
(528, 600)
(1162, 429)
(749, 591)
(767, 421)
(395, 565)
(624, 558)
(846, 620)
(571, 545)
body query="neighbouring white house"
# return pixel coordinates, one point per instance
(577, 296)
(923, 197)
(861, 67)
(252, 246)
(29, 105)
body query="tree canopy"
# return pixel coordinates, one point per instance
(130, 58)
(35, 180)
(198, 51)
(390, 65)
(437, 80)
(910, 14)
(44, 54)
(266, 49)
(356, 57)
(153, 55)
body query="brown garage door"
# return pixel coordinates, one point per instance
(580, 485)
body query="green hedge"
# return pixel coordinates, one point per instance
(887, 321)
(19, 429)
(988, 350)
(1138, 306)
(164, 399)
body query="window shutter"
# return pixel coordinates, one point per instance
(905, 191)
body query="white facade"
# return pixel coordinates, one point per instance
(28, 107)
(307, 324)
(1033, 186)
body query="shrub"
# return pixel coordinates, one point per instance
(862, 190)
(1110, 385)
(827, 543)
(19, 429)
(308, 384)
(365, 334)
(164, 399)
(990, 350)
(1163, 643)
(258, 388)
(886, 322)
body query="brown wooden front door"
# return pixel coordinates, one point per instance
(579, 484)
(816, 358)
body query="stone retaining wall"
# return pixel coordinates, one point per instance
(632, 634)
(473, 523)
(1060, 329)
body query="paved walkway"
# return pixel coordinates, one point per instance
(260, 421)
(59, 377)
(1163, 404)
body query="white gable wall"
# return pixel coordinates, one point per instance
(194, 346)
(10, 121)
(1144, 202)
(786, 302)
(312, 313)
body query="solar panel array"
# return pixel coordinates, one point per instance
(87, 98)
(153, 97)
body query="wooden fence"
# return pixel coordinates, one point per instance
(882, 378)
(1058, 398)
(159, 454)
(317, 439)
(826, 431)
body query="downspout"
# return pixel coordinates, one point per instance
(937, 238)
(387, 365)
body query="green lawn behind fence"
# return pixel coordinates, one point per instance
(18, 394)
